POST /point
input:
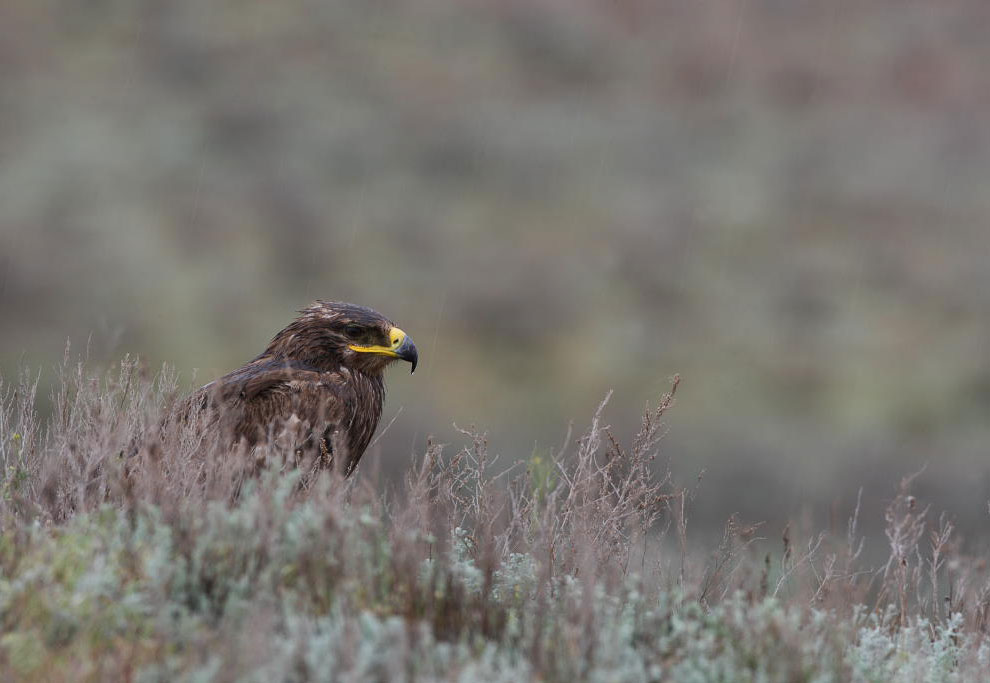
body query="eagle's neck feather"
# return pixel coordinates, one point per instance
(370, 394)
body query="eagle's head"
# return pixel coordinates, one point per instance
(331, 334)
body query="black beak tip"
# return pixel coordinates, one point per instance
(408, 352)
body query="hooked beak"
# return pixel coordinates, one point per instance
(400, 346)
(407, 351)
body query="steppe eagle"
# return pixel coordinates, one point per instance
(321, 379)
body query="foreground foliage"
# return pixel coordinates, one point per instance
(137, 550)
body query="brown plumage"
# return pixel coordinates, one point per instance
(319, 385)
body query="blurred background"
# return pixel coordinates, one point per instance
(786, 202)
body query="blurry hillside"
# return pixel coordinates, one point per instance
(785, 202)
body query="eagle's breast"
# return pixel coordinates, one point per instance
(362, 411)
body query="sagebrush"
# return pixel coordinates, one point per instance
(134, 548)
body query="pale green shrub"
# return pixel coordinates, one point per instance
(127, 566)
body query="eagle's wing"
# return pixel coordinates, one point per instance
(271, 399)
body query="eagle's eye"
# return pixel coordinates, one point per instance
(353, 331)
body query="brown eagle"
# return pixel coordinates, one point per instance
(320, 379)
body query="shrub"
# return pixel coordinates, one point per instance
(134, 548)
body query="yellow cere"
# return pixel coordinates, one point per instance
(395, 339)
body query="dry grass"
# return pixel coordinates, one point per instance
(552, 566)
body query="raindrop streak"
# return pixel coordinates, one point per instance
(132, 69)
(436, 334)
(359, 210)
(390, 422)
(857, 283)
(197, 191)
(735, 41)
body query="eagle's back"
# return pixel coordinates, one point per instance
(333, 413)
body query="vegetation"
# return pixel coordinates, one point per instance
(784, 201)
(134, 549)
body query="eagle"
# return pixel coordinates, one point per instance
(319, 385)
